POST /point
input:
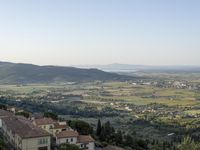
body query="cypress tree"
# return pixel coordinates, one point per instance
(98, 131)
(118, 138)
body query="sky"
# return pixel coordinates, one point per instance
(83, 32)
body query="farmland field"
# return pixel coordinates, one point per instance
(151, 108)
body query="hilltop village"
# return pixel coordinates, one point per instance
(40, 133)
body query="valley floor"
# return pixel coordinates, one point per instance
(155, 109)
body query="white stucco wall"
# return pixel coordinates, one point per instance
(32, 144)
(56, 131)
(25, 144)
(89, 146)
(64, 140)
(48, 128)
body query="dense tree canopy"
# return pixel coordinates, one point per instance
(82, 127)
(2, 144)
(118, 138)
(51, 115)
(188, 144)
(2, 106)
(23, 113)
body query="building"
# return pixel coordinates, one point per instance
(67, 137)
(14, 109)
(62, 133)
(23, 135)
(51, 125)
(4, 114)
(111, 147)
(73, 137)
(86, 142)
(60, 126)
(45, 123)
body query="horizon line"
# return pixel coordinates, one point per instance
(99, 65)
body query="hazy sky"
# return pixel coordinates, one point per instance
(65, 32)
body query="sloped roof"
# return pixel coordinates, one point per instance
(85, 139)
(24, 128)
(67, 134)
(4, 113)
(44, 121)
(60, 126)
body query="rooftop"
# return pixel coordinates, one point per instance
(85, 139)
(67, 134)
(60, 126)
(44, 121)
(4, 113)
(23, 127)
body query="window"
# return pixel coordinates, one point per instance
(42, 141)
(39, 141)
(67, 140)
(71, 139)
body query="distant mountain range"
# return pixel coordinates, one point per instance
(13, 73)
(136, 68)
(29, 73)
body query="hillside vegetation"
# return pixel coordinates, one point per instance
(28, 73)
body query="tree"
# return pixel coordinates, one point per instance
(69, 147)
(107, 132)
(23, 113)
(128, 140)
(103, 134)
(98, 131)
(51, 115)
(2, 144)
(81, 126)
(118, 138)
(108, 128)
(141, 143)
(2, 106)
(188, 144)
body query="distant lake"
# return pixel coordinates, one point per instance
(118, 70)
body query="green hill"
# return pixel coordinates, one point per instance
(28, 73)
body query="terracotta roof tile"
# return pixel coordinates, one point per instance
(85, 139)
(58, 126)
(67, 134)
(24, 127)
(44, 121)
(4, 113)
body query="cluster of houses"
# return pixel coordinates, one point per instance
(40, 133)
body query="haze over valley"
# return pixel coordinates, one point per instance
(99, 75)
